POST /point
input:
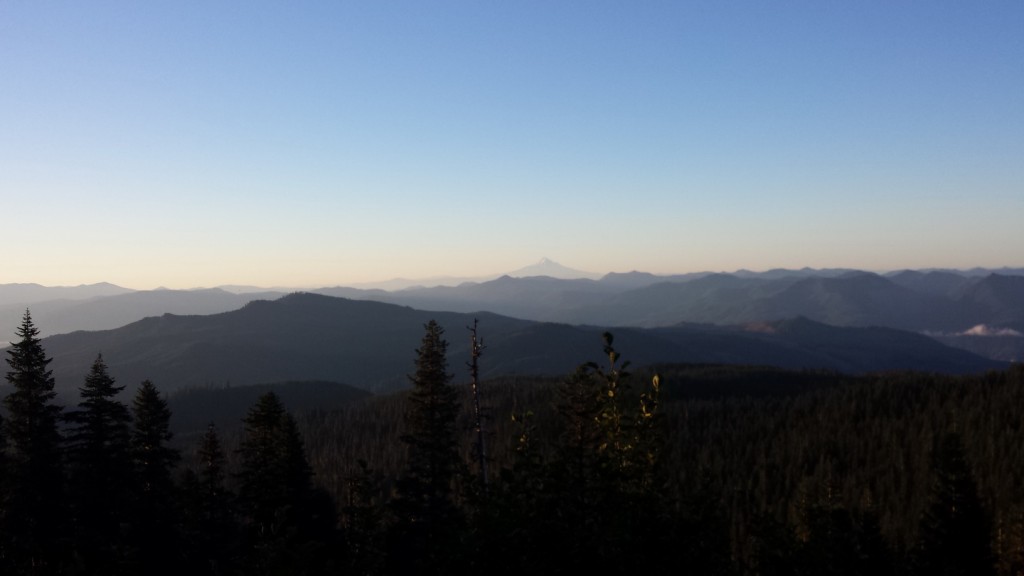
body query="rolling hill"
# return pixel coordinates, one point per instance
(371, 345)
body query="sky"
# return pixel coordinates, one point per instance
(304, 144)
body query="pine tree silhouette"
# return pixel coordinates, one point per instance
(36, 506)
(100, 470)
(426, 516)
(955, 531)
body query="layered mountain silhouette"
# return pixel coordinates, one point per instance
(371, 345)
(26, 294)
(115, 307)
(852, 299)
(978, 310)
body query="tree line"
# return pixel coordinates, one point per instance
(604, 470)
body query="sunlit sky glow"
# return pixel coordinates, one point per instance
(186, 144)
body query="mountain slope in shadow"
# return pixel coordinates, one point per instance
(371, 345)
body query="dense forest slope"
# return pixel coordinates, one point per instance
(770, 471)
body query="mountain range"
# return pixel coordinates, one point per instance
(980, 310)
(371, 345)
(534, 324)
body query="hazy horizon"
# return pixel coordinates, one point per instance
(194, 145)
(398, 282)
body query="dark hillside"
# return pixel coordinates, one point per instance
(857, 300)
(107, 312)
(309, 337)
(801, 343)
(936, 283)
(714, 299)
(297, 337)
(999, 299)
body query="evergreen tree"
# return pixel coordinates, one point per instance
(35, 506)
(426, 516)
(150, 435)
(212, 470)
(604, 446)
(274, 472)
(153, 511)
(207, 511)
(955, 533)
(516, 527)
(839, 542)
(288, 523)
(364, 522)
(609, 502)
(580, 435)
(100, 471)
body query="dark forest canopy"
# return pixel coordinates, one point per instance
(709, 469)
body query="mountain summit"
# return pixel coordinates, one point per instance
(548, 267)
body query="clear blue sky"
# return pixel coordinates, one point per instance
(188, 144)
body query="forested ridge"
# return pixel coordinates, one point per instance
(695, 469)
